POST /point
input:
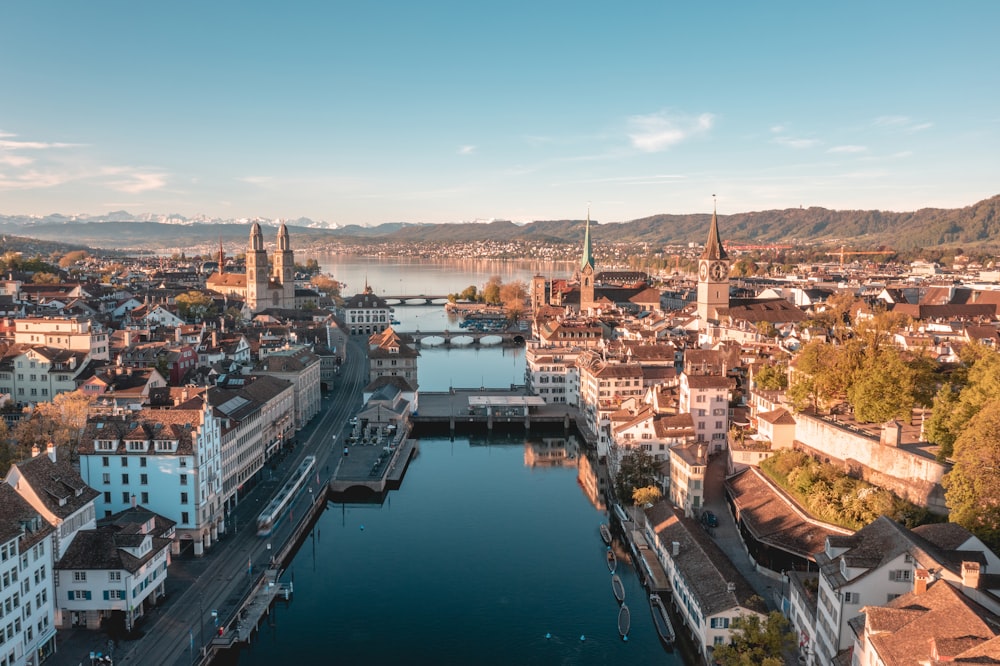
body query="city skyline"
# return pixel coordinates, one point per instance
(450, 112)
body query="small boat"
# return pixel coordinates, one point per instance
(618, 588)
(624, 621)
(661, 619)
(612, 561)
(606, 534)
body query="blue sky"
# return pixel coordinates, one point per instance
(371, 112)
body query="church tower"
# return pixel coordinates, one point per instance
(257, 276)
(713, 275)
(587, 272)
(284, 268)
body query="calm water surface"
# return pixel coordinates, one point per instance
(473, 561)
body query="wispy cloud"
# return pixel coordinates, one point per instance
(901, 123)
(132, 181)
(848, 149)
(257, 180)
(466, 150)
(657, 132)
(798, 144)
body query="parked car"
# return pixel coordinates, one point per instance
(709, 519)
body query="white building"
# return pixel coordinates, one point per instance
(366, 313)
(708, 592)
(27, 598)
(32, 374)
(298, 365)
(64, 333)
(168, 460)
(551, 373)
(114, 572)
(706, 398)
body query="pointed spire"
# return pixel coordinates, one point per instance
(222, 257)
(588, 255)
(713, 247)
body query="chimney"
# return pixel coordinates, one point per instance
(675, 548)
(970, 575)
(215, 339)
(920, 579)
(133, 500)
(35, 451)
(892, 433)
(731, 587)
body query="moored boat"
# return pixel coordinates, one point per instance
(618, 588)
(624, 621)
(612, 561)
(661, 619)
(606, 534)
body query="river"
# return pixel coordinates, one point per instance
(483, 556)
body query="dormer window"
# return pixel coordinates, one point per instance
(105, 445)
(136, 445)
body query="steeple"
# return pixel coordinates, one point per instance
(283, 243)
(713, 246)
(222, 258)
(588, 256)
(256, 237)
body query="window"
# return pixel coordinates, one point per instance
(114, 576)
(852, 598)
(184, 479)
(184, 498)
(720, 623)
(899, 575)
(107, 497)
(104, 461)
(144, 479)
(145, 498)
(80, 576)
(184, 517)
(124, 461)
(106, 478)
(124, 479)
(125, 497)
(142, 461)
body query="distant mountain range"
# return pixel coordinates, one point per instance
(977, 225)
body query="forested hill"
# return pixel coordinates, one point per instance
(977, 225)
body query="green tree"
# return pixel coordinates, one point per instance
(756, 642)
(637, 470)
(646, 495)
(972, 487)
(470, 293)
(771, 378)
(883, 388)
(195, 305)
(977, 386)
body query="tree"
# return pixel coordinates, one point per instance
(771, 378)
(637, 470)
(73, 257)
(45, 278)
(327, 285)
(646, 495)
(195, 305)
(883, 389)
(491, 292)
(972, 487)
(956, 404)
(513, 295)
(59, 422)
(756, 641)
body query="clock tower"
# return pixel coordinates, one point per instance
(713, 276)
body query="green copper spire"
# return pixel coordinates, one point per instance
(588, 255)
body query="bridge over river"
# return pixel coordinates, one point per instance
(465, 338)
(417, 299)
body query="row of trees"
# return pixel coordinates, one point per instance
(59, 422)
(511, 295)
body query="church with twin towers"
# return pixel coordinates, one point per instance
(266, 283)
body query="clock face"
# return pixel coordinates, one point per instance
(719, 271)
(703, 271)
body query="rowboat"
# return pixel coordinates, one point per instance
(661, 619)
(612, 561)
(606, 533)
(618, 588)
(624, 621)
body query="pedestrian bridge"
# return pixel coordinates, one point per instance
(418, 299)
